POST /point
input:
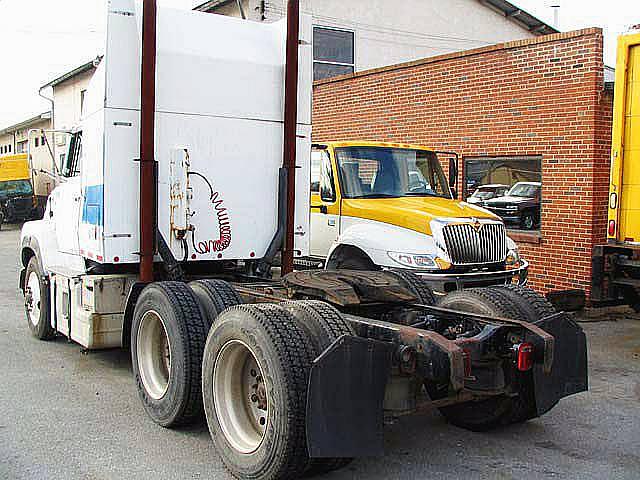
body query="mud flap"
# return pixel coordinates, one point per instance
(345, 398)
(568, 373)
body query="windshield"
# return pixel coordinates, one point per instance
(524, 190)
(379, 172)
(483, 194)
(15, 187)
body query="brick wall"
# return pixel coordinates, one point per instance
(542, 96)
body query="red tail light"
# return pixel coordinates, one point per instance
(612, 228)
(524, 360)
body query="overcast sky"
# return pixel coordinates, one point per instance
(42, 39)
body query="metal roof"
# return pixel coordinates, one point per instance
(518, 15)
(206, 6)
(508, 9)
(77, 71)
(26, 123)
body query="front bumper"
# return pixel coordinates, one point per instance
(443, 283)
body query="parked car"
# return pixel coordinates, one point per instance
(520, 206)
(487, 192)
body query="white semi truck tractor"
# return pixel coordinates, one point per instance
(174, 202)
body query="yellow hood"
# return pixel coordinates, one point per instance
(413, 213)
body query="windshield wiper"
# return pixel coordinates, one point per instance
(421, 194)
(379, 195)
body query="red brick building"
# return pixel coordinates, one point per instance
(543, 97)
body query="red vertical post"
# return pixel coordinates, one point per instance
(148, 185)
(290, 128)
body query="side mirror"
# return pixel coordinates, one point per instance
(453, 176)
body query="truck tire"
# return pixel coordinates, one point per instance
(255, 373)
(417, 285)
(324, 325)
(214, 296)
(168, 334)
(483, 415)
(537, 306)
(37, 301)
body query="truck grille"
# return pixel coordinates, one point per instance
(467, 244)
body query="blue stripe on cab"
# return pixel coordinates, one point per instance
(92, 209)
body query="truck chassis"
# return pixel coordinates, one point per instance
(340, 352)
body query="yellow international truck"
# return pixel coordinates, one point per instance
(616, 265)
(16, 191)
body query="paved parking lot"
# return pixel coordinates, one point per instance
(65, 414)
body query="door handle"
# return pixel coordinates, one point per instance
(322, 208)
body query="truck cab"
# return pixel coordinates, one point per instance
(17, 202)
(382, 205)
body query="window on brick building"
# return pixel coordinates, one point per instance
(333, 52)
(510, 187)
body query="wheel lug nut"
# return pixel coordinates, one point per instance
(253, 373)
(262, 421)
(254, 398)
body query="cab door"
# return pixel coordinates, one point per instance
(65, 201)
(325, 204)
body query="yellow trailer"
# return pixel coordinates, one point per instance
(17, 202)
(616, 272)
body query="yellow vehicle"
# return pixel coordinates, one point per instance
(384, 205)
(16, 191)
(616, 266)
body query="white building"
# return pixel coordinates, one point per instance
(355, 35)
(67, 94)
(30, 137)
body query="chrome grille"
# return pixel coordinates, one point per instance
(467, 244)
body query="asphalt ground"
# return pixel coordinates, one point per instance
(65, 414)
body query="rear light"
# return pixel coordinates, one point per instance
(612, 228)
(524, 356)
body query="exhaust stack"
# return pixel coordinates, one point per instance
(148, 181)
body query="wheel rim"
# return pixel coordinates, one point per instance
(240, 397)
(528, 222)
(33, 298)
(154, 355)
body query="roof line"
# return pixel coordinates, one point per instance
(76, 71)
(466, 53)
(205, 6)
(520, 16)
(26, 123)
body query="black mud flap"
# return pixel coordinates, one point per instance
(568, 373)
(345, 398)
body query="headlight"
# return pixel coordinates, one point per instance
(414, 261)
(513, 258)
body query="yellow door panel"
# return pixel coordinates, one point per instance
(634, 64)
(629, 215)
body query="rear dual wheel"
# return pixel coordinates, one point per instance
(254, 378)
(170, 326)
